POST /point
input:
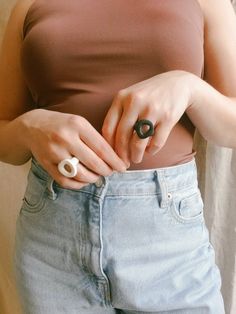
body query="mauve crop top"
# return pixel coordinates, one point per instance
(77, 54)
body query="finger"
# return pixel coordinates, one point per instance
(111, 120)
(90, 159)
(97, 143)
(85, 175)
(138, 146)
(124, 134)
(125, 127)
(159, 138)
(100, 147)
(67, 183)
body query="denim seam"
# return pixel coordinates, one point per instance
(160, 175)
(196, 219)
(51, 192)
(26, 208)
(83, 241)
(106, 286)
(134, 195)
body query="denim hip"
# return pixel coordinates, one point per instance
(134, 241)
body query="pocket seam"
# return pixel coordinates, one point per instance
(28, 208)
(182, 219)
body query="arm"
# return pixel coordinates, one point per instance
(25, 131)
(163, 99)
(14, 95)
(213, 109)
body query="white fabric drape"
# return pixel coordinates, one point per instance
(217, 179)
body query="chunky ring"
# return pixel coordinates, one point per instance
(68, 167)
(139, 128)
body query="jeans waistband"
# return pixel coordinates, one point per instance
(137, 182)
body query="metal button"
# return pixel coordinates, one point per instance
(99, 182)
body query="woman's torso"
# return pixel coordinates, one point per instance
(78, 54)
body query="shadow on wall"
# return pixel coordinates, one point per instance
(12, 185)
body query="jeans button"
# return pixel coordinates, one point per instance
(99, 182)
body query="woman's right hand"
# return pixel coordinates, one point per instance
(53, 136)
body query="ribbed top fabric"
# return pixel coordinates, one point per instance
(77, 54)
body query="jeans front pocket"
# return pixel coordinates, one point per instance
(34, 197)
(187, 207)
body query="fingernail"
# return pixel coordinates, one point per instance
(137, 161)
(153, 152)
(127, 164)
(124, 168)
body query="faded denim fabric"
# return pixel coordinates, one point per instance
(134, 242)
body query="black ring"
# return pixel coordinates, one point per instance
(139, 128)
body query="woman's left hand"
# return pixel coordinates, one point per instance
(161, 99)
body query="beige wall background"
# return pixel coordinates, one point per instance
(12, 185)
(218, 185)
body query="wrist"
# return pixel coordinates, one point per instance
(198, 92)
(24, 125)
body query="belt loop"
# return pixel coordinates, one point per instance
(52, 194)
(163, 188)
(103, 188)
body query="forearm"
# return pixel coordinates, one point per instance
(213, 114)
(13, 148)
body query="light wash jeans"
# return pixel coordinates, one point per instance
(134, 242)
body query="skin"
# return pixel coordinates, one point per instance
(47, 134)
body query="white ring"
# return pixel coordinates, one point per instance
(72, 164)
